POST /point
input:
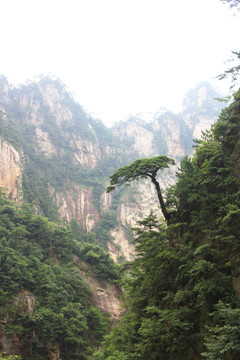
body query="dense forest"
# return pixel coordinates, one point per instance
(44, 301)
(77, 280)
(182, 291)
(179, 296)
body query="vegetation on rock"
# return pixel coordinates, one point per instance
(182, 290)
(44, 300)
(143, 168)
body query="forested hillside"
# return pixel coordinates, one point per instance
(121, 241)
(46, 304)
(183, 288)
(57, 158)
(61, 292)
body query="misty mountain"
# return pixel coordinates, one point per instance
(58, 159)
(63, 237)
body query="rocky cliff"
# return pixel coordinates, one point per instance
(51, 127)
(107, 297)
(58, 159)
(172, 134)
(200, 108)
(76, 203)
(49, 108)
(10, 171)
(67, 156)
(168, 134)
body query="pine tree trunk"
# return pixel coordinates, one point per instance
(160, 198)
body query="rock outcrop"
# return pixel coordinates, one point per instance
(24, 303)
(200, 108)
(10, 171)
(140, 135)
(52, 128)
(107, 297)
(58, 128)
(76, 203)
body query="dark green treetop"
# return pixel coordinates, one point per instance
(143, 168)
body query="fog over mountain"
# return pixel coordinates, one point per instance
(63, 157)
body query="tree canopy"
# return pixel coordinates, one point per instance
(143, 168)
(36, 262)
(182, 288)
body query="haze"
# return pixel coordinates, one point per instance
(119, 57)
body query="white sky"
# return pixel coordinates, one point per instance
(118, 56)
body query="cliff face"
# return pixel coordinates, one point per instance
(60, 158)
(107, 297)
(25, 303)
(200, 109)
(10, 171)
(175, 135)
(71, 155)
(47, 107)
(51, 126)
(137, 203)
(170, 134)
(140, 135)
(76, 203)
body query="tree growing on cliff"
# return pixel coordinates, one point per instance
(143, 168)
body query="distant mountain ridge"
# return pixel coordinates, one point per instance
(64, 156)
(200, 111)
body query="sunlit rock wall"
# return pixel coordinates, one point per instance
(10, 171)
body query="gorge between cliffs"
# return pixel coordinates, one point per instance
(88, 274)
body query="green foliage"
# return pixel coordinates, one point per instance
(101, 263)
(9, 133)
(223, 338)
(140, 169)
(57, 171)
(107, 222)
(36, 263)
(4, 356)
(182, 289)
(98, 322)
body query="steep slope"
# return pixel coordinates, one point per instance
(167, 134)
(57, 159)
(170, 134)
(10, 171)
(200, 108)
(66, 156)
(59, 145)
(183, 298)
(51, 306)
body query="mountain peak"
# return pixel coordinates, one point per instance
(201, 96)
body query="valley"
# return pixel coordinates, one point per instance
(75, 259)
